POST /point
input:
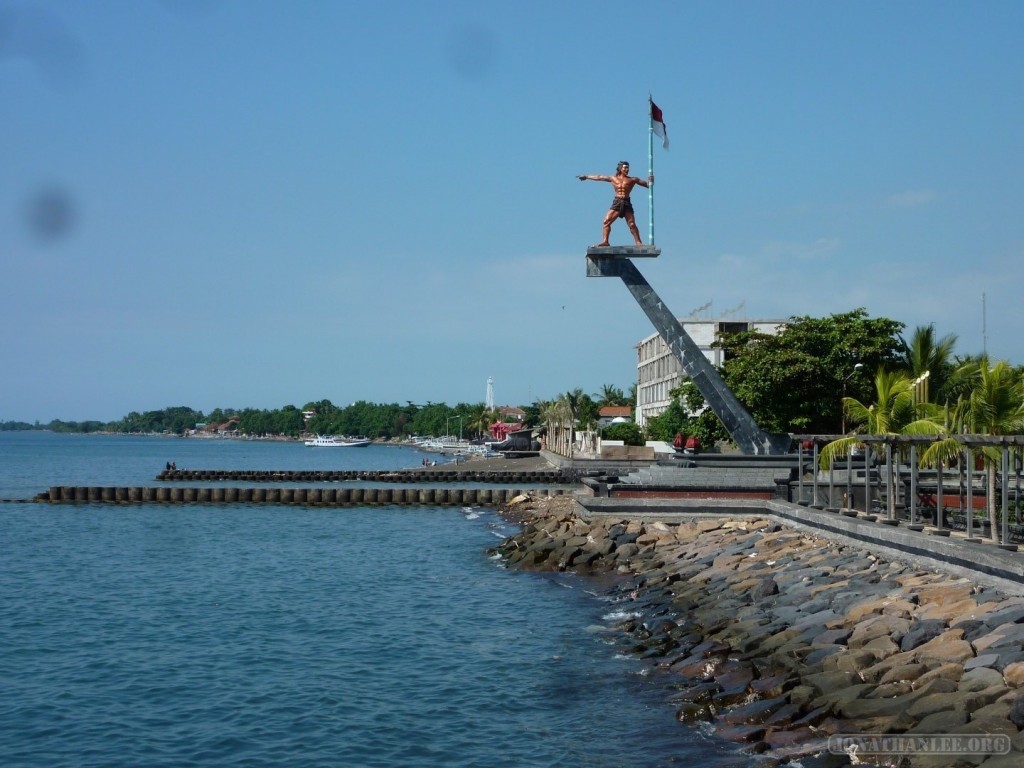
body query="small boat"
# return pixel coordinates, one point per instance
(330, 441)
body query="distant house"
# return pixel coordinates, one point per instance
(500, 429)
(614, 414)
(509, 413)
(510, 420)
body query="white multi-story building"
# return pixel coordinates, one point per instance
(658, 371)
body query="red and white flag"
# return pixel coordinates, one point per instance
(658, 124)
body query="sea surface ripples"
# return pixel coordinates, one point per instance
(267, 636)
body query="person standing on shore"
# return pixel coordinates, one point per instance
(621, 206)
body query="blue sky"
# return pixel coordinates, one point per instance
(253, 203)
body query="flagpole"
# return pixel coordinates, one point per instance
(650, 169)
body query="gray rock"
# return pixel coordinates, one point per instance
(947, 721)
(825, 682)
(1011, 760)
(978, 679)
(921, 632)
(1017, 712)
(1012, 615)
(918, 700)
(986, 660)
(832, 637)
(765, 588)
(1007, 656)
(756, 712)
(822, 652)
(1004, 634)
(695, 712)
(973, 629)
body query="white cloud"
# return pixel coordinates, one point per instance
(911, 198)
(814, 251)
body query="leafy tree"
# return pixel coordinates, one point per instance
(687, 415)
(670, 422)
(17, 426)
(789, 382)
(288, 421)
(628, 432)
(532, 413)
(430, 419)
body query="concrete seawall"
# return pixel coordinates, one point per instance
(786, 640)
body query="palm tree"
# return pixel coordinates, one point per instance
(479, 420)
(610, 395)
(571, 403)
(551, 413)
(924, 356)
(894, 412)
(994, 406)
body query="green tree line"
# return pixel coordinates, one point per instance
(795, 381)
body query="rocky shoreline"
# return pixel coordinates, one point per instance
(781, 639)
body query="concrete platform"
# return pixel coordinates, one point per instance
(623, 251)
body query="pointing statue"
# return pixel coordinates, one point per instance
(622, 207)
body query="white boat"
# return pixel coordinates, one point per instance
(446, 444)
(330, 441)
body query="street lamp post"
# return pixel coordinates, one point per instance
(447, 422)
(842, 407)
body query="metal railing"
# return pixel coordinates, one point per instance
(884, 482)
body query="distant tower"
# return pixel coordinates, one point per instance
(490, 394)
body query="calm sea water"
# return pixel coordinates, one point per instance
(268, 636)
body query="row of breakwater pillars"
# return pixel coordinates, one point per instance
(331, 497)
(791, 645)
(377, 476)
(266, 491)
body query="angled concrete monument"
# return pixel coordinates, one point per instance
(615, 261)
